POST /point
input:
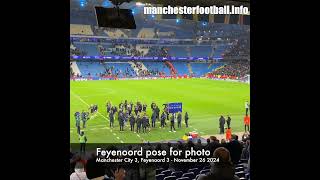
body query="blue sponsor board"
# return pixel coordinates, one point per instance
(142, 58)
(175, 107)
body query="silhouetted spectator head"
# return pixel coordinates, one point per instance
(223, 154)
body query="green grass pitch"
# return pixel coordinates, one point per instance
(205, 100)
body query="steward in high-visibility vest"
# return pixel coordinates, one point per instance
(82, 141)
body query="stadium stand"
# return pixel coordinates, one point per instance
(157, 66)
(90, 69)
(201, 51)
(200, 68)
(78, 29)
(223, 42)
(233, 68)
(177, 51)
(115, 33)
(75, 69)
(90, 49)
(146, 33)
(181, 67)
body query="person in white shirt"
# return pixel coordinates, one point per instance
(79, 173)
(247, 106)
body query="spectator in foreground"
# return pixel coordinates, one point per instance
(79, 173)
(235, 149)
(222, 170)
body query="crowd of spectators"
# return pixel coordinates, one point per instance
(218, 30)
(74, 51)
(234, 68)
(231, 154)
(240, 47)
(151, 72)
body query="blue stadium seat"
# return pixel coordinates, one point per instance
(247, 175)
(160, 176)
(244, 160)
(197, 177)
(170, 178)
(239, 168)
(90, 67)
(184, 178)
(159, 170)
(178, 51)
(160, 66)
(240, 174)
(204, 171)
(206, 167)
(91, 49)
(178, 174)
(194, 170)
(189, 175)
(166, 172)
(181, 67)
(201, 51)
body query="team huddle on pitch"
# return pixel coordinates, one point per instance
(136, 116)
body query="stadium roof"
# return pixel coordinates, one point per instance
(177, 2)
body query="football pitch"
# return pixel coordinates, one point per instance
(204, 100)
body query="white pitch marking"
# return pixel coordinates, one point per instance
(89, 105)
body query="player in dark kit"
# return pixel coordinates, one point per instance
(222, 121)
(153, 119)
(108, 106)
(228, 121)
(125, 117)
(186, 119)
(153, 106)
(157, 110)
(120, 119)
(163, 118)
(132, 121)
(172, 123)
(83, 118)
(136, 110)
(114, 109)
(144, 107)
(129, 109)
(166, 110)
(139, 106)
(179, 118)
(144, 124)
(138, 123)
(77, 116)
(111, 118)
(91, 109)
